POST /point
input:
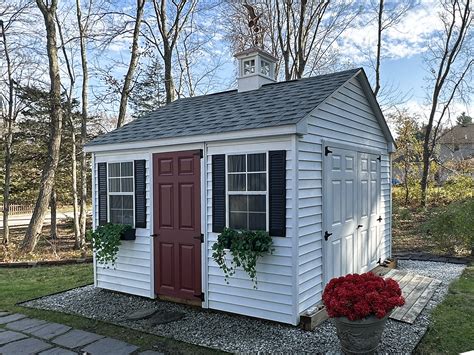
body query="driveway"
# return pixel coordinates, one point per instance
(22, 220)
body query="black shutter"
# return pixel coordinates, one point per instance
(102, 187)
(277, 192)
(140, 194)
(218, 193)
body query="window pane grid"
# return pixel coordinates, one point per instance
(247, 191)
(121, 193)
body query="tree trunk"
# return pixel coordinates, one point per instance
(169, 83)
(77, 232)
(84, 94)
(7, 142)
(70, 121)
(425, 171)
(379, 46)
(132, 65)
(407, 196)
(54, 221)
(49, 170)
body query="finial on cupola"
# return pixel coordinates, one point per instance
(256, 66)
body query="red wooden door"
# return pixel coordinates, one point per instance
(177, 224)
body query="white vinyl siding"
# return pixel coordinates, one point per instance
(345, 117)
(132, 272)
(274, 298)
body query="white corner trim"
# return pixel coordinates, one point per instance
(295, 241)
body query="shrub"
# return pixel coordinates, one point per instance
(456, 188)
(451, 227)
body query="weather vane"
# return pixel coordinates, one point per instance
(257, 38)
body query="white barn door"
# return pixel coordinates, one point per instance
(351, 234)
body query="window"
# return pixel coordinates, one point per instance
(247, 191)
(249, 66)
(120, 182)
(265, 68)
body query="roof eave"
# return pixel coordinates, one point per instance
(289, 129)
(364, 81)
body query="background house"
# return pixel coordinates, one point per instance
(456, 151)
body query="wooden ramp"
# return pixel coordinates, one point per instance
(417, 291)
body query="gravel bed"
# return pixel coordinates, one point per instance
(236, 333)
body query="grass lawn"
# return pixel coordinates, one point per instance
(452, 326)
(17, 285)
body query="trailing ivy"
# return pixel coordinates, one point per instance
(106, 241)
(246, 248)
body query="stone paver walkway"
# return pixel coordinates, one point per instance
(22, 335)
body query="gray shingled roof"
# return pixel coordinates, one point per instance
(275, 104)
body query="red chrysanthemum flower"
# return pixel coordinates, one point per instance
(358, 296)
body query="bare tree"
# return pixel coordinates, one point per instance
(47, 178)
(300, 32)
(450, 61)
(84, 117)
(9, 118)
(387, 18)
(171, 17)
(8, 123)
(132, 65)
(69, 119)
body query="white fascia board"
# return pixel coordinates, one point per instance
(241, 134)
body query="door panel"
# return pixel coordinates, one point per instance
(177, 224)
(340, 219)
(352, 197)
(374, 201)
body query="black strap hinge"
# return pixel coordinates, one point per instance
(327, 151)
(327, 235)
(200, 153)
(200, 237)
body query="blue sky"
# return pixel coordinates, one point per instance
(402, 55)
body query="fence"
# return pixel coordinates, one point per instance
(19, 209)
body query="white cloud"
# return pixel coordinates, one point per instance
(407, 38)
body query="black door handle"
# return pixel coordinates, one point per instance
(327, 235)
(359, 226)
(379, 219)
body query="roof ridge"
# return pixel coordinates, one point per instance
(276, 104)
(274, 84)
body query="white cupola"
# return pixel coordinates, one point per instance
(256, 68)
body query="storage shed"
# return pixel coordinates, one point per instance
(306, 160)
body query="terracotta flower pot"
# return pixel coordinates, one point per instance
(360, 336)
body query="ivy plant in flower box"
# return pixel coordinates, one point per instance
(360, 305)
(246, 248)
(106, 240)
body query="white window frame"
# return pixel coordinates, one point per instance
(270, 68)
(255, 64)
(247, 193)
(121, 193)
